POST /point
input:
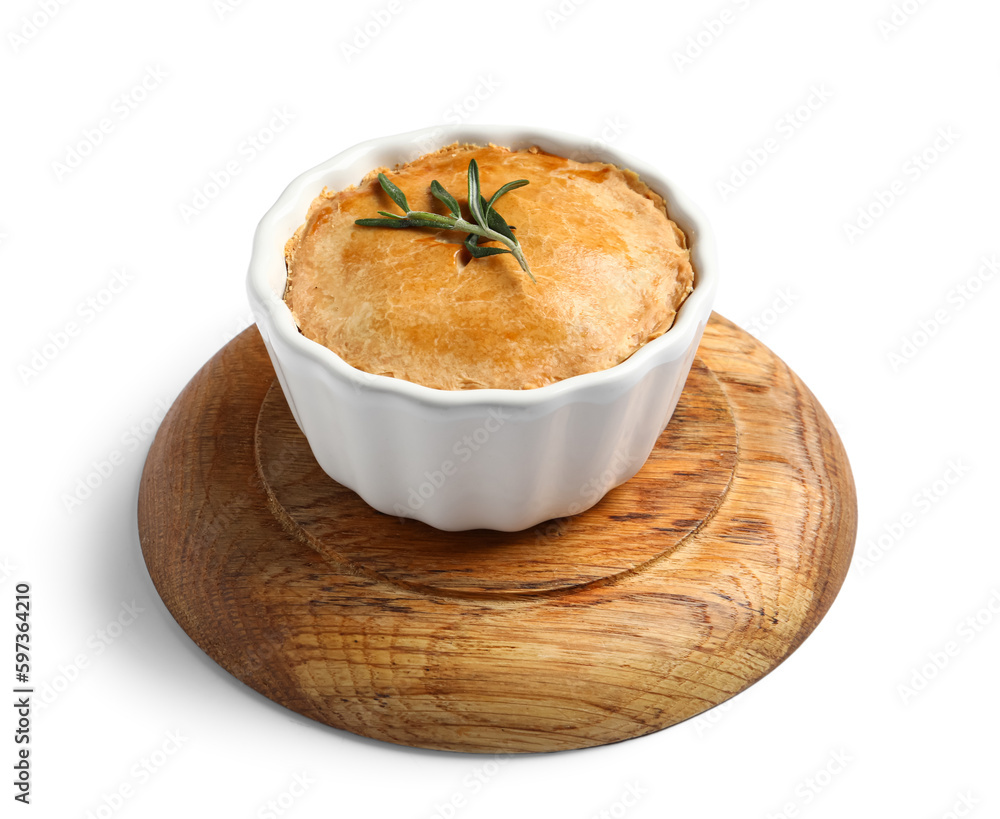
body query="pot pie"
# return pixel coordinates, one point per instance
(611, 271)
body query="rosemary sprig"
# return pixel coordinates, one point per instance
(489, 225)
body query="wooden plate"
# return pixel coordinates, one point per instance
(678, 590)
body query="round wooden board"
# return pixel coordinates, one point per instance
(678, 590)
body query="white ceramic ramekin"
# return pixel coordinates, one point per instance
(468, 459)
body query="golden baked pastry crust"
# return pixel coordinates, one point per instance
(611, 271)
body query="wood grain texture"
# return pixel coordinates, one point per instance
(694, 460)
(678, 590)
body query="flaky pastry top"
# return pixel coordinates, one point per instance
(611, 268)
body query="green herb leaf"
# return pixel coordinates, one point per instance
(416, 219)
(510, 186)
(437, 220)
(496, 222)
(395, 194)
(397, 222)
(471, 244)
(450, 201)
(475, 197)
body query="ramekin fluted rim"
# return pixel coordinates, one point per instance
(268, 250)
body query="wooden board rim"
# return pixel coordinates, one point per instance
(607, 662)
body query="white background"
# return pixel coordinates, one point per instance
(915, 404)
